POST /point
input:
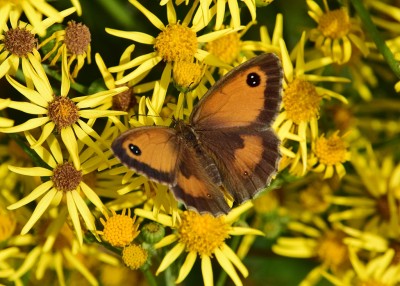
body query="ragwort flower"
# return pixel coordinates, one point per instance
(176, 42)
(65, 186)
(18, 45)
(74, 41)
(60, 113)
(301, 101)
(336, 33)
(202, 236)
(34, 11)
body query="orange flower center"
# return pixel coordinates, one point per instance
(63, 112)
(19, 42)
(66, 177)
(77, 38)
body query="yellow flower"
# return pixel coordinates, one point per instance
(202, 236)
(18, 45)
(55, 248)
(74, 41)
(379, 269)
(298, 120)
(373, 196)
(34, 11)
(119, 230)
(329, 244)
(310, 194)
(330, 154)
(60, 112)
(175, 42)
(134, 256)
(65, 186)
(336, 32)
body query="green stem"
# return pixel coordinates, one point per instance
(37, 161)
(56, 75)
(117, 10)
(376, 36)
(149, 277)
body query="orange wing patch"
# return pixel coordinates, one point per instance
(151, 151)
(248, 96)
(250, 155)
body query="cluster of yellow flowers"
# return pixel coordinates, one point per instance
(67, 205)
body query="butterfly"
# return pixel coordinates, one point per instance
(228, 148)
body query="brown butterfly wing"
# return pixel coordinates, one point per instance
(151, 151)
(167, 157)
(198, 183)
(246, 159)
(233, 124)
(248, 96)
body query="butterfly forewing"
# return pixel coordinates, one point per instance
(169, 157)
(151, 151)
(248, 96)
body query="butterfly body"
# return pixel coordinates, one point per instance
(228, 147)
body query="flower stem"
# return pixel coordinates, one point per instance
(376, 36)
(118, 11)
(151, 280)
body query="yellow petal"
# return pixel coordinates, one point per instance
(186, 266)
(170, 257)
(37, 192)
(68, 137)
(231, 255)
(27, 125)
(206, 270)
(227, 266)
(152, 18)
(39, 210)
(144, 67)
(73, 213)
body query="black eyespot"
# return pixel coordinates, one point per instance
(135, 150)
(245, 173)
(253, 79)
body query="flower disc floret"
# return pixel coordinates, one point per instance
(176, 43)
(202, 233)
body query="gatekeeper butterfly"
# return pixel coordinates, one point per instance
(227, 149)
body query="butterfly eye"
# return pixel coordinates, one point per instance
(253, 79)
(135, 149)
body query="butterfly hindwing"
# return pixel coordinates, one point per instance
(198, 183)
(246, 159)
